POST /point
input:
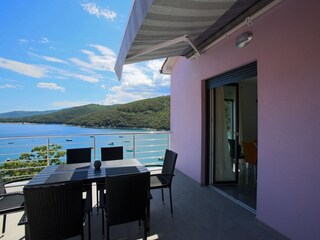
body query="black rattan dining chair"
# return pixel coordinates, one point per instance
(126, 200)
(56, 211)
(10, 202)
(108, 154)
(232, 147)
(164, 179)
(111, 153)
(78, 155)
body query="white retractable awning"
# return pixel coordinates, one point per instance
(165, 28)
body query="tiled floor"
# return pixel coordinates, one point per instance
(199, 213)
(246, 189)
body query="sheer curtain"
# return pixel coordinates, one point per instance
(223, 166)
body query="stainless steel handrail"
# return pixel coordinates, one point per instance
(146, 146)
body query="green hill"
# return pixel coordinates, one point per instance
(151, 113)
(19, 114)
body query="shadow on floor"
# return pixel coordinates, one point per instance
(199, 213)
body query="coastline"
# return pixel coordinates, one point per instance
(18, 138)
(85, 126)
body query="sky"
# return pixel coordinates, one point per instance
(59, 54)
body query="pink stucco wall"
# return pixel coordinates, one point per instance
(286, 46)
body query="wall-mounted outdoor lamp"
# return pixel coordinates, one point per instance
(244, 39)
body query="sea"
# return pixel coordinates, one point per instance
(146, 145)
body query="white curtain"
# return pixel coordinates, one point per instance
(223, 166)
(240, 118)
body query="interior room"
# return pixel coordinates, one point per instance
(238, 180)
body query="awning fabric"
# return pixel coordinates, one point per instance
(158, 22)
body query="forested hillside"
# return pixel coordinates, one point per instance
(151, 113)
(18, 114)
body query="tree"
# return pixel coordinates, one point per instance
(54, 152)
(30, 164)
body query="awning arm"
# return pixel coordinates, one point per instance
(184, 38)
(197, 54)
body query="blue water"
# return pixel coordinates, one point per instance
(18, 138)
(18, 130)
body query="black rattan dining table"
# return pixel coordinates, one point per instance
(86, 172)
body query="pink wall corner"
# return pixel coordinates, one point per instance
(286, 47)
(186, 139)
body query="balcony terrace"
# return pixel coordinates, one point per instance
(24, 156)
(199, 213)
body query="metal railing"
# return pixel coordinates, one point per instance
(22, 157)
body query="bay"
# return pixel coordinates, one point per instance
(19, 138)
(27, 130)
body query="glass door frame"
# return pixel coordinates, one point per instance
(235, 124)
(233, 76)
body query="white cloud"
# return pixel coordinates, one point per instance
(44, 40)
(121, 97)
(51, 86)
(104, 50)
(47, 58)
(158, 78)
(101, 62)
(144, 75)
(23, 68)
(45, 71)
(8, 86)
(93, 9)
(80, 63)
(139, 81)
(53, 59)
(92, 73)
(48, 71)
(85, 78)
(104, 86)
(22, 40)
(63, 74)
(34, 55)
(67, 104)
